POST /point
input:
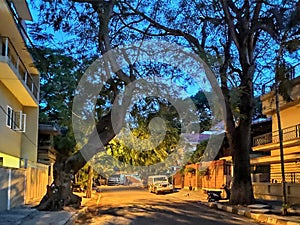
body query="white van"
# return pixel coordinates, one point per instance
(159, 184)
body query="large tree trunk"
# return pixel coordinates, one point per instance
(240, 32)
(59, 193)
(242, 192)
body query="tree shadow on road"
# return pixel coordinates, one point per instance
(148, 212)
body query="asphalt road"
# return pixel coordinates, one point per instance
(136, 206)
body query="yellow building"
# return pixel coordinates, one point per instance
(290, 123)
(19, 88)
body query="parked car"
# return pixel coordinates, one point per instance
(113, 180)
(159, 184)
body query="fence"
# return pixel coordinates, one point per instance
(36, 183)
(22, 186)
(290, 177)
(273, 191)
(209, 175)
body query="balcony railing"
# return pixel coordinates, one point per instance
(288, 133)
(290, 177)
(8, 50)
(291, 73)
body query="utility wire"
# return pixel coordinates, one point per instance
(24, 133)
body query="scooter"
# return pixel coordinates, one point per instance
(214, 196)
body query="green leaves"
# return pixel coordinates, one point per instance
(198, 154)
(137, 146)
(59, 75)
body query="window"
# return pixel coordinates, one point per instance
(9, 116)
(15, 120)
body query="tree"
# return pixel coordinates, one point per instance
(59, 76)
(244, 32)
(241, 41)
(137, 150)
(203, 110)
(142, 157)
(93, 23)
(67, 168)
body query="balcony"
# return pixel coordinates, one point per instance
(15, 76)
(291, 136)
(290, 177)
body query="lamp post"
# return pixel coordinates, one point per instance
(283, 182)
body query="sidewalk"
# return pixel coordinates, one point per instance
(266, 211)
(26, 215)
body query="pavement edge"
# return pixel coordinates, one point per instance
(265, 218)
(74, 217)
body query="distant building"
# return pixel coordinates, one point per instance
(47, 153)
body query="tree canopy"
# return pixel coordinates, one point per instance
(237, 39)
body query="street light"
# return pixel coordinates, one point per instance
(284, 199)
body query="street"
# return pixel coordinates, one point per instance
(122, 205)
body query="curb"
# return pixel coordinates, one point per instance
(270, 219)
(74, 217)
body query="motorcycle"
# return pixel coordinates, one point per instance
(214, 196)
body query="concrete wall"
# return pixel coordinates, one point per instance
(10, 161)
(22, 186)
(178, 180)
(289, 117)
(12, 188)
(192, 178)
(215, 177)
(17, 187)
(270, 191)
(206, 175)
(3, 188)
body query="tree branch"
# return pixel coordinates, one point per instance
(190, 38)
(231, 26)
(235, 9)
